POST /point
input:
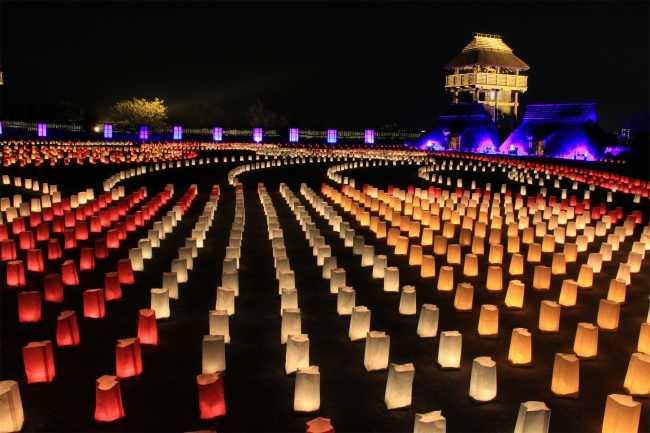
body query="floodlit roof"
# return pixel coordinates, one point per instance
(487, 50)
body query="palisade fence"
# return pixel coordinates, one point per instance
(13, 129)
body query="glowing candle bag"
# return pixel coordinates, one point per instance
(428, 322)
(108, 399)
(319, 425)
(160, 303)
(213, 354)
(622, 414)
(568, 294)
(12, 416)
(291, 324)
(483, 382)
(449, 351)
(432, 422)
(643, 345)
(520, 353)
(533, 417)
(391, 279)
(446, 279)
(307, 390)
(377, 350)
(345, 301)
(549, 317)
(566, 375)
(399, 386)
(464, 297)
(297, 355)
(67, 329)
(29, 307)
(608, 315)
(407, 303)
(38, 360)
(147, 327)
(359, 323)
(219, 324)
(488, 322)
(226, 300)
(212, 402)
(637, 379)
(128, 358)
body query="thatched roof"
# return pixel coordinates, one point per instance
(487, 50)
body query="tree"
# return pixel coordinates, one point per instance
(131, 114)
(260, 116)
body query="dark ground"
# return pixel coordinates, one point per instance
(259, 396)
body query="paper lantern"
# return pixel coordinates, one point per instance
(515, 295)
(290, 324)
(622, 414)
(634, 261)
(407, 303)
(11, 416)
(212, 402)
(495, 256)
(213, 354)
(449, 351)
(319, 425)
(637, 379)
(478, 245)
(516, 264)
(566, 376)
(38, 360)
(15, 273)
(520, 353)
(446, 279)
(101, 250)
(568, 294)
(428, 268)
(415, 257)
(453, 254)
(549, 317)
(533, 417)
(219, 324)
(377, 350)
(147, 327)
(608, 315)
(329, 264)
(534, 253)
(488, 321)
(345, 301)
(465, 237)
(483, 382)
(67, 329)
(357, 245)
(69, 273)
(367, 256)
(94, 303)
(391, 279)
(494, 279)
(160, 303)
(439, 245)
(643, 345)
(464, 297)
(112, 287)
(53, 288)
(29, 307)
(35, 260)
(528, 235)
(337, 279)
(128, 359)
(226, 299)
(326, 251)
(542, 278)
(623, 273)
(297, 355)
(617, 289)
(428, 322)
(307, 390)
(379, 266)
(359, 323)
(585, 345)
(570, 252)
(27, 241)
(399, 386)
(470, 269)
(548, 244)
(9, 250)
(87, 259)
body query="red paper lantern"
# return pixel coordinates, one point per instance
(65, 204)
(95, 224)
(121, 207)
(101, 251)
(53, 288)
(69, 273)
(112, 288)
(69, 239)
(112, 239)
(57, 209)
(48, 214)
(29, 307)
(27, 240)
(108, 399)
(67, 329)
(8, 250)
(4, 232)
(87, 259)
(35, 219)
(113, 214)
(15, 273)
(319, 425)
(79, 214)
(57, 225)
(53, 249)
(147, 327)
(101, 201)
(121, 230)
(81, 231)
(145, 213)
(38, 360)
(35, 260)
(139, 218)
(94, 307)
(128, 361)
(130, 223)
(125, 271)
(69, 219)
(105, 219)
(42, 232)
(89, 208)
(18, 225)
(211, 399)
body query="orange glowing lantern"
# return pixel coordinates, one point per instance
(549, 317)
(516, 264)
(622, 414)
(515, 295)
(29, 306)
(319, 425)
(94, 306)
(67, 329)
(147, 327)
(212, 402)
(464, 297)
(585, 344)
(520, 352)
(38, 360)
(566, 375)
(108, 399)
(568, 294)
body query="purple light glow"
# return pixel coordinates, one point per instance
(369, 136)
(0, 128)
(144, 133)
(217, 134)
(331, 135)
(178, 132)
(293, 135)
(108, 130)
(42, 130)
(257, 135)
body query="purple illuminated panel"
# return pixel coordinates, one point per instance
(331, 135)
(257, 135)
(42, 130)
(178, 132)
(293, 135)
(144, 133)
(217, 134)
(369, 136)
(0, 128)
(108, 130)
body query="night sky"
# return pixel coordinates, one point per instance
(347, 65)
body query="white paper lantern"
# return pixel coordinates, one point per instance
(428, 322)
(160, 303)
(407, 304)
(495, 256)
(287, 281)
(617, 291)
(379, 266)
(170, 283)
(446, 279)
(368, 256)
(533, 417)
(291, 323)
(432, 422)
(214, 354)
(377, 351)
(494, 279)
(483, 383)
(231, 279)
(297, 353)
(449, 351)
(329, 264)
(399, 386)
(219, 325)
(226, 300)
(566, 375)
(359, 323)
(391, 279)
(180, 267)
(643, 345)
(345, 301)
(516, 264)
(307, 391)
(542, 278)
(11, 414)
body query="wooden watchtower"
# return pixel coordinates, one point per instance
(491, 73)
